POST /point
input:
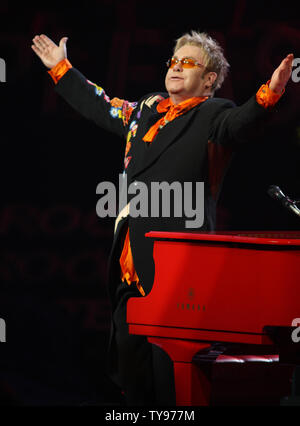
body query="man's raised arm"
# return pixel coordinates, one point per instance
(89, 99)
(244, 123)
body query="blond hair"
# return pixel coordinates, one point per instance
(213, 57)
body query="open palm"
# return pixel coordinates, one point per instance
(282, 74)
(49, 52)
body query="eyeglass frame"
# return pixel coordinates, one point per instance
(196, 63)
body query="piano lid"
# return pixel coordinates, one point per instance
(291, 238)
(224, 284)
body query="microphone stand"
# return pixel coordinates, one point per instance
(276, 193)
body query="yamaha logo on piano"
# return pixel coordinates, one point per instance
(190, 306)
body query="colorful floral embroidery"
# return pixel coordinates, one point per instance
(126, 161)
(119, 108)
(122, 109)
(115, 112)
(98, 89)
(133, 128)
(128, 146)
(152, 99)
(117, 103)
(127, 110)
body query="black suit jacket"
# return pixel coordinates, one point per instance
(195, 147)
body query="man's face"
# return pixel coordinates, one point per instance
(184, 83)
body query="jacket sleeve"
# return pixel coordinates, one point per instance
(238, 124)
(91, 101)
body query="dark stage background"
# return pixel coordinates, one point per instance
(53, 247)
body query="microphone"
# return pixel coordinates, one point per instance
(276, 193)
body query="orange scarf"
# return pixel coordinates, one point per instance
(172, 111)
(128, 271)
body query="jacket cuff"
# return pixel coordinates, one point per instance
(59, 70)
(266, 97)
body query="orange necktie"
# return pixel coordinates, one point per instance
(172, 111)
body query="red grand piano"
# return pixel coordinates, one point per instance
(227, 287)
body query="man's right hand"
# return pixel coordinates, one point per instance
(49, 53)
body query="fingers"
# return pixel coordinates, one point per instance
(36, 48)
(286, 64)
(41, 46)
(46, 40)
(38, 52)
(43, 43)
(39, 43)
(289, 59)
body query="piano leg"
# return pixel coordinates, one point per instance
(192, 385)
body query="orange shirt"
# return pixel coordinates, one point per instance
(265, 97)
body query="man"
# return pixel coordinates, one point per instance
(184, 135)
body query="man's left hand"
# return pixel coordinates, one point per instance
(282, 74)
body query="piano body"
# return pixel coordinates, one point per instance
(239, 287)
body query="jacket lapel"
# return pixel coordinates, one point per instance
(165, 137)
